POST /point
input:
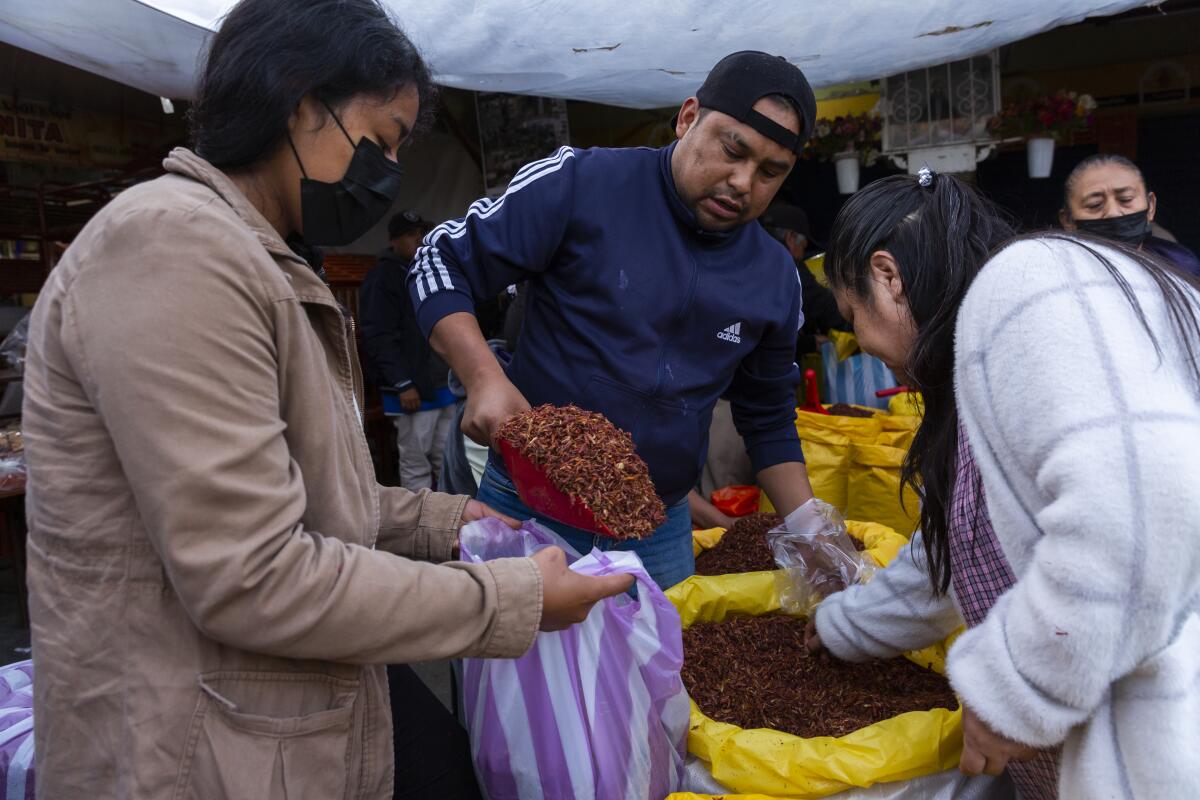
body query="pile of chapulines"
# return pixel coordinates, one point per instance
(593, 462)
(755, 672)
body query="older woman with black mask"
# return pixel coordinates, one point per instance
(1106, 195)
(216, 579)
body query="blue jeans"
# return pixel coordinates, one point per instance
(666, 553)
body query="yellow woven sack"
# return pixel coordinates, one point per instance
(897, 431)
(906, 404)
(873, 488)
(706, 539)
(897, 422)
(901, 439)
(864, 430)
(826, 442)
(880, 542)
(764, 764)
(845, 344)
(816, 265)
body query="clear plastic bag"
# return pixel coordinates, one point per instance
(12, 349)
(817, 555)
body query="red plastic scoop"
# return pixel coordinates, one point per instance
(812, 394)
(539, 493)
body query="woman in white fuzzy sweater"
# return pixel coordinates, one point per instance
(1077, 380)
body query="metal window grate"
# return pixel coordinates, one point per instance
(943, 105)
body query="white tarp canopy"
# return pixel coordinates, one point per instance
(639, 53)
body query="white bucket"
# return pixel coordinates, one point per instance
(847, 172)
(1040, 156)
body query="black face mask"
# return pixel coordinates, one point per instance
(1132, 229)
(335, 214)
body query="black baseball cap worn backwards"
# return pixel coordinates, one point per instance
(741, 79)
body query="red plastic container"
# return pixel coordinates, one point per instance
(737, 501)
(812, 397)
(539, 493)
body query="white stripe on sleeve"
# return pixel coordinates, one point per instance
(428, 266)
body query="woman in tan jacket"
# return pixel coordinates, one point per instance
(216, 579)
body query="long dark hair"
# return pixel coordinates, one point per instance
(940, 237)
(268, 54)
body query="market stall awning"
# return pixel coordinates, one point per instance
(638, 55)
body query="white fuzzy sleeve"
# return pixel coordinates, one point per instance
(895, 612)
(1088, 446)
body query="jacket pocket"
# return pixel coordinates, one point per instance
(269, 735)
(667, 434)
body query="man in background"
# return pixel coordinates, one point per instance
(789, 226)
(410, 376)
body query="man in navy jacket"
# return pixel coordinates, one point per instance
(652, 293)
(410, 376)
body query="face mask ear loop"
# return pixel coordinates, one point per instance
(297, 155)
(339, 123)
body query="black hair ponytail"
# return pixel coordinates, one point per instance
(940, 235)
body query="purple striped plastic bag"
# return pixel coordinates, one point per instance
(594, 712)
(16, 731)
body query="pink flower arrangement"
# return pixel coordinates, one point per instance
(1055, 115)
(854, 133)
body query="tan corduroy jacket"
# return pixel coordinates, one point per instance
(214, 573)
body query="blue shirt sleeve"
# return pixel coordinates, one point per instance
(498, 243)
(763, 393)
